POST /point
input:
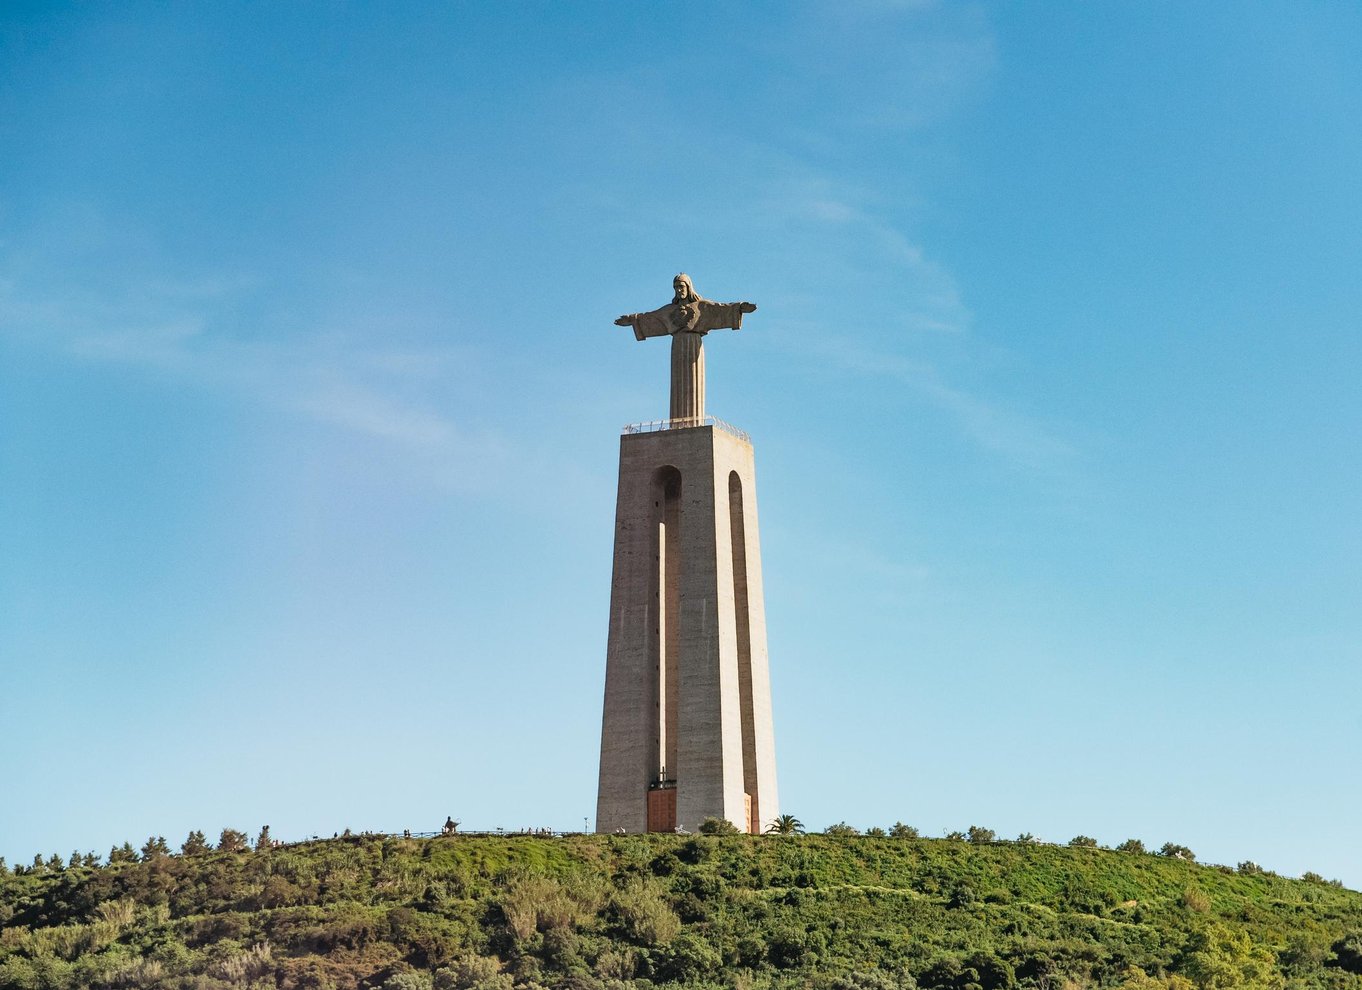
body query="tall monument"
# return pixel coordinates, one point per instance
(686, 733)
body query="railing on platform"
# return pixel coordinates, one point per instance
(459, 833)
(658, 425)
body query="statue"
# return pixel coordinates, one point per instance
(686, 320)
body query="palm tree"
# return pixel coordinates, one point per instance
(785, 825)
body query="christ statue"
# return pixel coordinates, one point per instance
(686, 319)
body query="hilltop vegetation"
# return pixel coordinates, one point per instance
(830, 912)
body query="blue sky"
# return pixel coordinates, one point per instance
(309, 397)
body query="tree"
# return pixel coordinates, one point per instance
(122, 854)
(1131, 846)
(1249, 868)
(1221, 958)
(262, 841)
(876, 832)
(1083, 842)
(718, 826)
(232, 841)
(91, 859)
(841, 829)
(74, 861)
(785, 825)
(902, 831)
(195, 845)
(981, 836)
(956, 836)
(1174, 851)
(1026, 839)
(155, 848)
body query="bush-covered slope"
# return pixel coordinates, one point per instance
(740, 911)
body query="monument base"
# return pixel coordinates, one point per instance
(687, 690)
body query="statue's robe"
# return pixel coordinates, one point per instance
(687, 323)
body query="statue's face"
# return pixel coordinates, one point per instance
(679, 285)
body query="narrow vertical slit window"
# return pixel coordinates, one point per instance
(738, 541)
(666, 595)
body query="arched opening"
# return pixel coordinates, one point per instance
(737, 530)
(666, 639)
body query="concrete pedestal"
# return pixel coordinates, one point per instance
(687, 686)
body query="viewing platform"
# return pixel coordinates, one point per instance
(658, 425)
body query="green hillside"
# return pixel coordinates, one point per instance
(730, 911)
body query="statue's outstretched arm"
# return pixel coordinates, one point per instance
(645, 325)
(722, 316)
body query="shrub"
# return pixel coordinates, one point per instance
(876, 832)
(1131, 846)
(718, 826)
(137, 973)
(871, 979)
(1174, 851)
(254, 963)
(407, 981)
(520, 907)
(643, 914)
(690, 959)
(788, 947)
(1348, 953)
(1249, 868)
(470, 972)
(981, 970)
(1303, 954)
(962, 896)
(1083, 842)
(902, 831)
(841, 829)
(616, 964)
(1194, 900)
(540, 903)
(118, 914)
(981, 836)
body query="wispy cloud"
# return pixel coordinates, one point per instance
(879, 306)
(161, 327)
(1006, 432)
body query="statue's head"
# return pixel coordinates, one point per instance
(685, 292)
